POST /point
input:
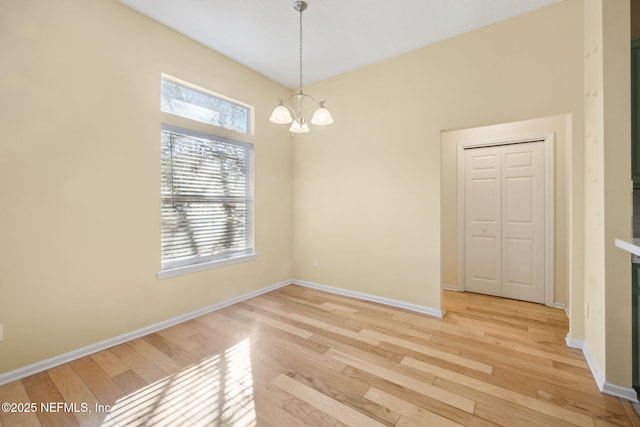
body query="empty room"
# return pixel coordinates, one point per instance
(321, 212)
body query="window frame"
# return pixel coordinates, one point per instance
(198, 129)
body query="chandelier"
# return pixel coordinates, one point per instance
(292, 109)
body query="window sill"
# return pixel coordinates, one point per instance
(178, 271)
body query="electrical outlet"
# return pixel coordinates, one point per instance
(315, 263)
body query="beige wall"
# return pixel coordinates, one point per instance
(617, 188)
(367, 190)
(80, 176)
(594, 185)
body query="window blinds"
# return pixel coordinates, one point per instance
(207, 198)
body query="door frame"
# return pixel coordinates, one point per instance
(549, 195)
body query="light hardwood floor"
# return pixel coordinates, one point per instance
(298, 356)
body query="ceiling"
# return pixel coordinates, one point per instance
(338, 35)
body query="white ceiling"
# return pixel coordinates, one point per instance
(339, 35)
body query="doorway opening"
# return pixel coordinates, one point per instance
(506, 218)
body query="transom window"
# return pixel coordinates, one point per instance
(198, 104)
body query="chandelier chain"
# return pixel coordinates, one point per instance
(300, 86)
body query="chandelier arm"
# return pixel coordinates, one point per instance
(296, 114)
(291, 110)
(314, 100)
(305, 95)
(284, 101)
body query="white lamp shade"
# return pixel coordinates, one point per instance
(299, 126)
(321, 117)
(281, 115)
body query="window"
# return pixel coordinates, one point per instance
(206, 183)
(200, 105)
(207, 198)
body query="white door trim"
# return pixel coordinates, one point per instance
(549, 172)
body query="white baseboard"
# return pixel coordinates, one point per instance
(628, 393)
(449, 287)
(52, 362)
(573, 343)
(605, 387)
(561, 306)
(373, 298)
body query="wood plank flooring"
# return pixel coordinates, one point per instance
(297, 356)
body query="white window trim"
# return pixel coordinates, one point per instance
(234, 258)
(209, 265)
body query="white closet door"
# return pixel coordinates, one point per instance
(483, 216)
(504, 221)
(523, 221)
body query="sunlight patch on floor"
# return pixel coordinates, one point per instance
(215, 391)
